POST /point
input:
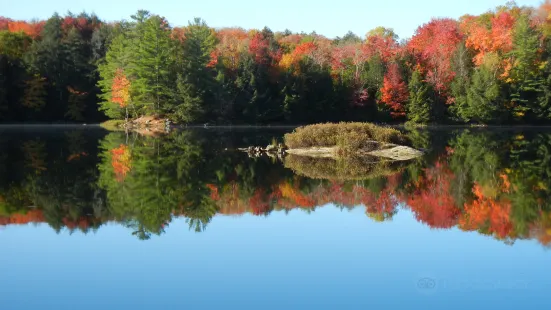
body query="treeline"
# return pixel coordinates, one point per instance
(48, 69)
(491, 68)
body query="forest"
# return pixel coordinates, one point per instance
(493, 68)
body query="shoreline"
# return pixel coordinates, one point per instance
(402, 126)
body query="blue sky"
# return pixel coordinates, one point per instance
(331, 18)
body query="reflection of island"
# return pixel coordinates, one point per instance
(496, 184)
(342, 151)
(352, 168)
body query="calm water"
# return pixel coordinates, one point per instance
(97, 220)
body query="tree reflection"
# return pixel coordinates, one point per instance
(495, 183)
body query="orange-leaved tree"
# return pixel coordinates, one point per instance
(120, 92)
(394, 92)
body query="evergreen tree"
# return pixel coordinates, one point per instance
(374, 75)
(47, 57)
(348, 38)
(80, 77)
(459, 89)
(3, 87)
(419, 107)
(153, 66)
(310, 96)
(526, 76)
(196, 83)
(250, 89)
(544, 99)
(100, 41)
(192, 106)
(484, 101)
(12, 71)
(143, 51)
(79, 69)
(463, 66)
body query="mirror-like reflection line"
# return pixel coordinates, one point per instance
(494, 182)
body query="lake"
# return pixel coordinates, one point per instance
(97, 220)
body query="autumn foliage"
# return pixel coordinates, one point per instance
(433, 46)
(32, 29)
(301, 50)
(493, 38)
(121, 162)
(31, 216)
(487, 212)
(472, 183)
(121, 89)
(489, 68)
(432, 202)
(394, 92)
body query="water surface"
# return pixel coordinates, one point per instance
(90, 219)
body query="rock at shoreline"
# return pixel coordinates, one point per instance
(270, 148)
(397, 152)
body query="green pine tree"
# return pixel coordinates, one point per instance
(526, 77)
(3, 86)
(144, 51)
(12, 71)
(544, 99)
(196, 84)
(484, 101)
(47, 57)
(192, 107)
(419, 107)
(153, 66)
(80, 76)
(463, 66)
(100, 41)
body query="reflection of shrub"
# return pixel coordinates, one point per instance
(352, 168)
(113, 125)
(348, 136)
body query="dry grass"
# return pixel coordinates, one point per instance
(348, 137)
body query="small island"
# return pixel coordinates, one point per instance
(344, 140)
(342, 151)
(350, 140)
(145, 125)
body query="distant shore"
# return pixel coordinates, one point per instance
(282, 126)
(245, 126)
